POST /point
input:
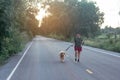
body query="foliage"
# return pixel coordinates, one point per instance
(59, 37)
(104, 43)
(72, 17)
(11, 33)
(111, 32)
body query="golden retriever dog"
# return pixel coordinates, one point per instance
(62, 56)
(63, 53)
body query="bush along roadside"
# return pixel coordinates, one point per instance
(12, 45)
(13, 31)
(107, 44)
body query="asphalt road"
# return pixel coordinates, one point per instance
(41, 62)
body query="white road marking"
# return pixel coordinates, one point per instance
(13, 71)
(104, 52)
(89, 71)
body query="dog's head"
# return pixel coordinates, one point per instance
(62, 53)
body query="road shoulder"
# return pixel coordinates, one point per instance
(6, 69)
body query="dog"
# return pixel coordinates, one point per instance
(62, 56)
(63, 53)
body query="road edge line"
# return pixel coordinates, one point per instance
(103, 52)
(11, 74)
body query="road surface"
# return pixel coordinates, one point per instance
(41, 62)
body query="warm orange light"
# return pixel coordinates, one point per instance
(43, 12)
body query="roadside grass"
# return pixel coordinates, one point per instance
(55, 36)
(11, 46)
(111, 44)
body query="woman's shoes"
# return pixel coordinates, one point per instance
(77, 60)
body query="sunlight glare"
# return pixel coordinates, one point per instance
(43, 12)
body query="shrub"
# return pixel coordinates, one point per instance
(108, 44)
(11, 46)
(59, 37)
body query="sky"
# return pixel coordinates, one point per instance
(111, 9)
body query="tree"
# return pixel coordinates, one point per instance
(12, 13)
(71, 17)
(90, 18)
(4, 21)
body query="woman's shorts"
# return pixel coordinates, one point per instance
(79, 49)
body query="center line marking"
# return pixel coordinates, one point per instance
(89, 71)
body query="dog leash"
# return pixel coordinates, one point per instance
(68, 47)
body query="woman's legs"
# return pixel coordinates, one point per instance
(76, 55)
(79, 51)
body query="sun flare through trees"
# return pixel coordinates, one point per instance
(42, 13)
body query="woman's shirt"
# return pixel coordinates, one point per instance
(78, 42)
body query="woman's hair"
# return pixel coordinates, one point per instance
(77, 35)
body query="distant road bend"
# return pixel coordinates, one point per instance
(41, 61)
